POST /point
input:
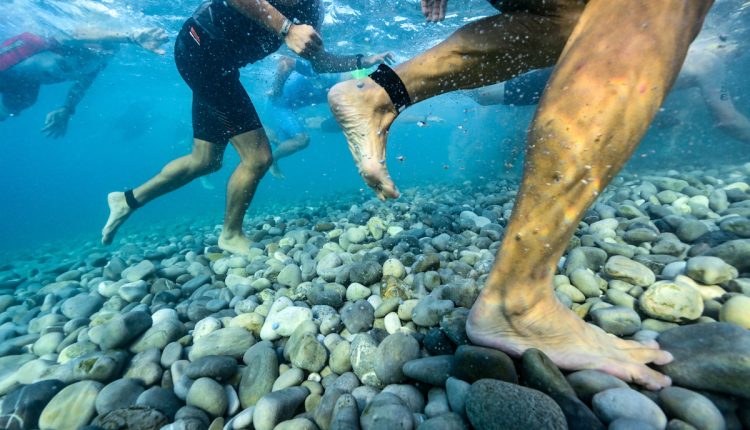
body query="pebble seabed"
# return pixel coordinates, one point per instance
(351, 316)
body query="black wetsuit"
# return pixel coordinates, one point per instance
(211, 48)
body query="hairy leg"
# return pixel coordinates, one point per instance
(205, 158)
(606, 89)
(255, 158)
(487, 51)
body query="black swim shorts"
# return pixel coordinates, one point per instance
(221, 107)
(539, 7)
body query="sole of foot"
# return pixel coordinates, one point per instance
(119, 211)
(365, 114)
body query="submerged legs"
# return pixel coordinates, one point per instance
(255, 156)
(606, 89)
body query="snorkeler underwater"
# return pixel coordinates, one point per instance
(490, 214)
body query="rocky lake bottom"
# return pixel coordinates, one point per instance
(351, 314)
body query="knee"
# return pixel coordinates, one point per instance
(303, 141)
(204, 165)
(260, 161)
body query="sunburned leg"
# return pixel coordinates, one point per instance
(605, 91)
(487, 51)
(287, 148)
(205, 158)
(255, 158)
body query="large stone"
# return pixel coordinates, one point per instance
(137, 417)
(72, 408)
(208, 395)
(118, 394)
(538, 372)
(231, 341)
(493, 404)
(386, 411)
(308, 353)
(585, 257)
(258, 377)
(358, 316)
(330, 294)
(625, 269)
(736, 311)
(283, 322)
(409, 394)
(672, 301)
(278, 406)
(290, 276)
(145, 367)
(737, 225)
(472, 363)
(24, 405)
(713, 356)
(587, 383)
(734, 252)
(323, 413)
(710, 270)
(138, 272)
(120, 330)
(159, 335)
(426, 262)
(345, 413)
(617, 403)
(362, 357)
(82, 305)
(690, 230)
(618, 320)
(433, 370)
(448, 421)
(161, 399)
(692, 408)
(212, 366)
(392, 353)
(98, 366)
(366, 272)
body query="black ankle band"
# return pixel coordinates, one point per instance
(130, 200)
(393, 85)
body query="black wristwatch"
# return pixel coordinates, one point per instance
(359, 61)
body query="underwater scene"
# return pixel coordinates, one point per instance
(402, 214)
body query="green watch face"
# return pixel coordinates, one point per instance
(361, 73)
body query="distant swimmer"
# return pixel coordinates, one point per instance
(704, 69)
(28, 61)
(297, 85)
(615, 61)
(221, 37)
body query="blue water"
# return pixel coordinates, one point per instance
(136, 117)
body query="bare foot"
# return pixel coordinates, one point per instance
(570, 343)
(365, 115)
(276, 171)
(234, 243)
(119, 211)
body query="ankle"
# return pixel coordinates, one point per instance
(514, 303)
(229, 234)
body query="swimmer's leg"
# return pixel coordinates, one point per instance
(205, 158)
(607, 88)
(255, 158)
(487, 51)
(287, 148)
